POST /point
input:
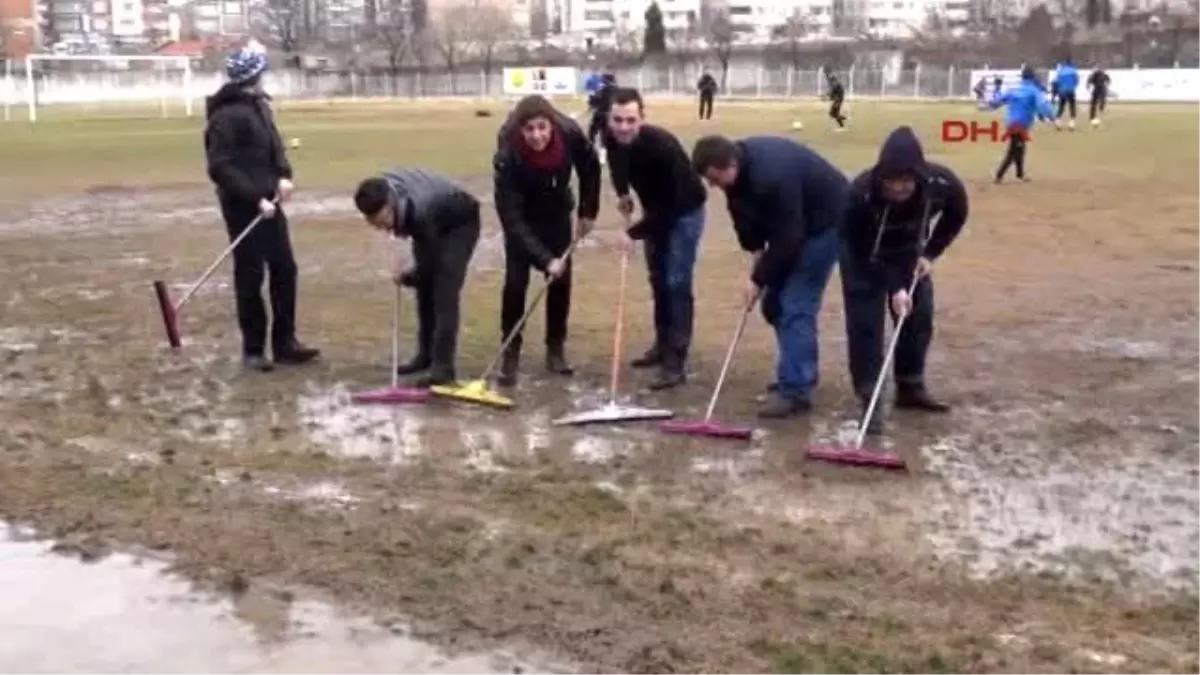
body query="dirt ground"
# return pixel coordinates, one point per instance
(1048, 524)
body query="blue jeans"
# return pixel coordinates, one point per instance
(671, 261)
(792, 307)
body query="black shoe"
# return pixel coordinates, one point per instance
(510, 365)
(419, 363)
(772, 388)
(668, 378)
(257, 362)
(556, 361)
(295, 354)
(779, 406)
(917, 397)
(652, 357)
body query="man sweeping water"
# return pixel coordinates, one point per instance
(786, 202)
(538, 149)
(886, 246)
(249, 166)
(442, 220)
(651, 161)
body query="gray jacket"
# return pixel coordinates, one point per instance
(433, 205)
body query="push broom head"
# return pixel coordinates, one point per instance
(707, 430)
(476, 391)
(611, 413)
(852, 456)
(169, 316)
(391, 396)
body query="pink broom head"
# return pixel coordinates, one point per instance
(169, 316)
(707, 429)
(851, 456)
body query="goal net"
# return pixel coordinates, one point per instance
(85, 86)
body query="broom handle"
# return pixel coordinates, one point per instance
(512, 334)
(220, 259)
(396, 338)
(737, 337)
(618, 331)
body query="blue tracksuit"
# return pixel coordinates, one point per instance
(787, 203)
(1067, 77)
(1026, 103)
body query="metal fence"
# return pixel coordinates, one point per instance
(176, 92)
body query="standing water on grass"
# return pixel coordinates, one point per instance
(122, 614)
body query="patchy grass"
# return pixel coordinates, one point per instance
(1067, 334)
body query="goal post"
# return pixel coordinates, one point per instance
(129, 83)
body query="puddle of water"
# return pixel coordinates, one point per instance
(1124, 514)
(124, 615)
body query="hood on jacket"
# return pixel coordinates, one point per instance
(231, 92)
(901, 154)
(1028, 74)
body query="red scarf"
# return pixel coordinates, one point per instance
(551, 158)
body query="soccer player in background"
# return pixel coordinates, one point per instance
(707, 88)
(1067, 79)
(837, 96)
(1097, 83)
(1026, 104)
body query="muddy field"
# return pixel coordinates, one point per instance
(1049, 523)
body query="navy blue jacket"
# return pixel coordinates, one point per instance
(784, 194)
(889, 237)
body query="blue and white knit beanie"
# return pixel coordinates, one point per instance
(245, 65)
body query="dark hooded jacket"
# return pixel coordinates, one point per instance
(246, 157)
(891, 237)
(657, 167)
(707, 85)
(528, 199)
(785, 193)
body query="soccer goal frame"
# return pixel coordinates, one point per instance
(181, 63)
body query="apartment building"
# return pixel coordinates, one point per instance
(606, 21)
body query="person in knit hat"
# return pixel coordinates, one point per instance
(248, 165)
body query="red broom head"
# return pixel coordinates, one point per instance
(169, 316)
(853, 457)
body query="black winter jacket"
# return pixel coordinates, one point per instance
(785, 194)
(246, 158)
(891, 237)
(528, 199)
(706, 85)
(656, 166)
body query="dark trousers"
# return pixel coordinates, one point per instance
(596, 126)
(835, 111)
(1066, 101)
(671, 263)
(267, 249)
(1014, 155)
(791, 308)
(1099, 100)
(706, 106)
(866, 300)
(556, 236)
(442, 270)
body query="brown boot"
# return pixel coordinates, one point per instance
(556, 361)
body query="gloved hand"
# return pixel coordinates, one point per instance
(286, 187)
(266, 208)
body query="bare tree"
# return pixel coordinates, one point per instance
(279, 23)
(393, 34)
(491, 27)
(793, 31)
(720, 41)
(451, 36)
